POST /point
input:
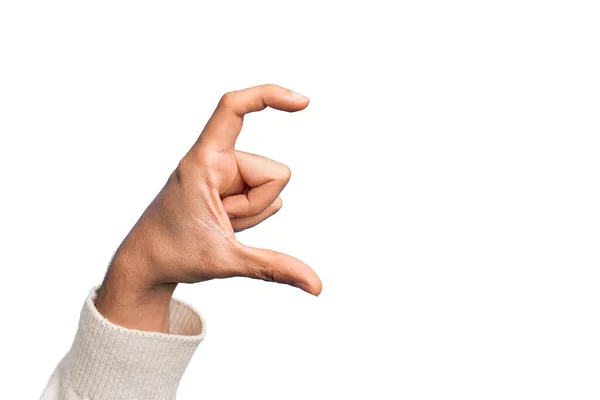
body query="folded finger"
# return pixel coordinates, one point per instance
(239, 224)
(266, 179)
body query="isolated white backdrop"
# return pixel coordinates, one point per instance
(446, 187)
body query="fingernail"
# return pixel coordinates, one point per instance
(298, 96)
(303, 286)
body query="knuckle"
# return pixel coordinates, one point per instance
(194, 171)
(182, 170)
(227, 100)
(261, 272)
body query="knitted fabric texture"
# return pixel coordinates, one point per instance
(107, 361)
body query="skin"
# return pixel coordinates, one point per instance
(186, 235)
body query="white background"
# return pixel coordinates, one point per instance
(445, 188)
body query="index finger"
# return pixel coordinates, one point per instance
(225, 125)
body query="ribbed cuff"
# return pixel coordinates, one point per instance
(108, 361)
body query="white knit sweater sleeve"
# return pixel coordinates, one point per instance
(108, 361)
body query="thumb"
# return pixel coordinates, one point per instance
(273, 266)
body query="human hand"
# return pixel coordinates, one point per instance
(186, 234)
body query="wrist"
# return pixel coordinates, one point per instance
(131, 298)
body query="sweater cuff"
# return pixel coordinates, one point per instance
(108, 361)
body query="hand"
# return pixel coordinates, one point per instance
(187, 233)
